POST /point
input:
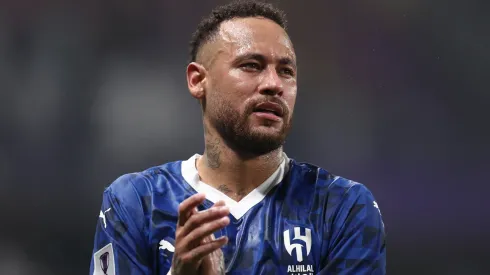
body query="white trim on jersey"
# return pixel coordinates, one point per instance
(237, 209)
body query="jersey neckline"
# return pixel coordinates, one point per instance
(237, 209)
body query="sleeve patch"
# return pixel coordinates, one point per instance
(104, 261)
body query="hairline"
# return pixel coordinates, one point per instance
(213, 35)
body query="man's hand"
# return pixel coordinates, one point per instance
(193, 241)
(213, 263)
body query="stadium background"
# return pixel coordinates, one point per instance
(393, 94)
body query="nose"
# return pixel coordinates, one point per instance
(271, 83)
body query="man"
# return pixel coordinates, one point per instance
(243, 207)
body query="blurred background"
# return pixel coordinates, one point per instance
(393, 94)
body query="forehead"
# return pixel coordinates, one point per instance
(259, 35)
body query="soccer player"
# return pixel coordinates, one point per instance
(243, 206)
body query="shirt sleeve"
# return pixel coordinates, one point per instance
(357, 243)
(120, 245)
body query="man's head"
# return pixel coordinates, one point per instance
(243, 71)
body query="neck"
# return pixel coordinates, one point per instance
(230, 172)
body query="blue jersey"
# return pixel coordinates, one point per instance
(301, 220)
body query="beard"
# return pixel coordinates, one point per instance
(237, 132)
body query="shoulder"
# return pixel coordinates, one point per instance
(323, 178)
(336, 192)
(132, 188)
(347, 204)
(349, 191)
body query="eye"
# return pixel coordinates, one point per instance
(286, 71)
(252, 66)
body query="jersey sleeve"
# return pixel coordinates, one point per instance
(357, 243)
(120, 245)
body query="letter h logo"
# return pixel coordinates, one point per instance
(296, 246)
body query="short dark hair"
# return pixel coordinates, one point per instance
(237, 9)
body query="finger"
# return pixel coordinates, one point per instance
(203, 217)
(195, 237)
(201, 251)
(188, 215)
(208, 239)
(219, 203)
(187, 206)
(193, 211)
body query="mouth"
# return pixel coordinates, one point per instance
(270, 108)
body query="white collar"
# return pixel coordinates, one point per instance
(237, 209)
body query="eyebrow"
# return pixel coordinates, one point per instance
(261, 58)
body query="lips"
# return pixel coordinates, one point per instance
(270, 107)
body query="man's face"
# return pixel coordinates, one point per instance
(251, 91)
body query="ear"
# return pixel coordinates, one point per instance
(196, 78)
